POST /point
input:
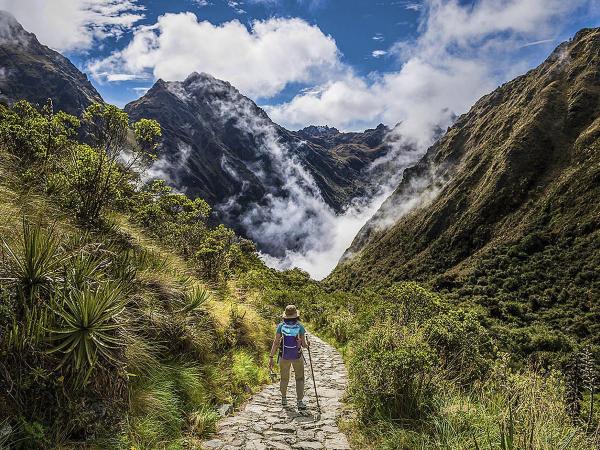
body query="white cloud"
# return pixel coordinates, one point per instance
(74, 24)
(378, 53)
(293, 222)
(236, 6)
(259, 61)
(115, 77)
(378, 37)
(461, 53)
(540, 42)
(202, 2)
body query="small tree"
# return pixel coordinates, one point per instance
(99, 171)
(173, 216)
(37, 139)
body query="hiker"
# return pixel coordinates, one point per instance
(290, 338)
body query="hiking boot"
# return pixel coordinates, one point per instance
(301, 404)
(283, 401)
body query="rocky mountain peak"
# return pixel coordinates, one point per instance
(34, 72)
(11, 31)
(319, 131)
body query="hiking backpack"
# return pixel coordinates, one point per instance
(290, 345)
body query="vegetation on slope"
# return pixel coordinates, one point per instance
(515, 227)
(118, 325)
(427, 374)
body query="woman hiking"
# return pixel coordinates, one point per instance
(290, 338)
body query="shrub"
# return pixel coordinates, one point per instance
(245, 373)
(392, 373)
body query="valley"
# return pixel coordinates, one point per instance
(147, 252)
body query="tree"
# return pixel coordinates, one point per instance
(37, 139)
(98, 172)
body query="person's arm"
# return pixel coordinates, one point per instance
(303, 341)
(274, 349)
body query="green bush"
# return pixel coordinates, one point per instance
(392, 373)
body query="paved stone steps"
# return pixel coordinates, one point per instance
(264, 424)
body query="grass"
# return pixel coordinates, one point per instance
(177, 362)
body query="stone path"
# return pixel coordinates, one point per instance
(264, 424)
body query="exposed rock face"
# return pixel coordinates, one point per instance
(34, 72)
(221, 146)
(525, 160)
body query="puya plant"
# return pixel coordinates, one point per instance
(87, 328)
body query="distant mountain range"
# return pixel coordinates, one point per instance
(217, 144)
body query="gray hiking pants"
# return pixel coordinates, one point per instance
(285, 366)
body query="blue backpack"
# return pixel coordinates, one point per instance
(290, 347)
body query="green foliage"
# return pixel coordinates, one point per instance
(35, 137)
(38, 263)
(106, 337)
(193, 300)
(178, 220)
(88, 325)
(245, 372)
(391, 373)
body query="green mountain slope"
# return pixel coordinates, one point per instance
(507, 212)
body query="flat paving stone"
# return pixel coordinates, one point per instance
(264, 424)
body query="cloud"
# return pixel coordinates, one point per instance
(260, 60)
(115, 77)
(202, 3)
(236, 6)
(378, 37)
(412, 6)
(542, 41)
(293, 224)
(378, 53)
(461, 53)
(75, 25)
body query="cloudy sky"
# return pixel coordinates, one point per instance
(346, 63)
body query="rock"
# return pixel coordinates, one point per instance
(286, 427)
(307, 445)
(225, 409)
(214, 443)
(337, 443)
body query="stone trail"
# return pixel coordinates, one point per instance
(264, 424)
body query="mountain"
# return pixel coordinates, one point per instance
(34, 72)
(219, 145)
(504, 209)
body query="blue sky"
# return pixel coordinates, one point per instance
(359, 28)
(346, 63)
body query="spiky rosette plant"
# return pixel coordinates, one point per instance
(87, 329)
(39, 263)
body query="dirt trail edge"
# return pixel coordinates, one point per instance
(264, 424)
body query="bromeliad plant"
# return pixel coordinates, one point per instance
(89, 321)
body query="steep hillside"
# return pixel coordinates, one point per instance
(221, 146)
(503, 210)
(33, 72)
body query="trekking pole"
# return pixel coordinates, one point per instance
(312, 372)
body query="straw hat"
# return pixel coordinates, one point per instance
(290, 312)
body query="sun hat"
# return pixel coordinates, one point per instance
(290, 312)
